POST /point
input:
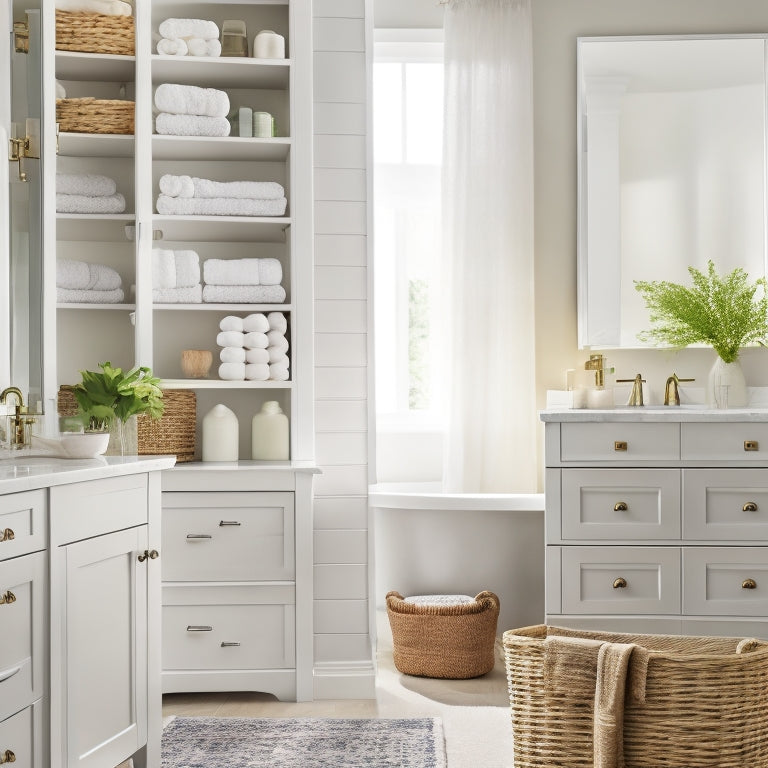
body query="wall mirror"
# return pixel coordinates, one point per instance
(671, 139)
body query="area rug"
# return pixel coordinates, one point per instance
(227, 742)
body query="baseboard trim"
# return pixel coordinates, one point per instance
(345, 680)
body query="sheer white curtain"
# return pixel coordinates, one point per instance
(488, 245)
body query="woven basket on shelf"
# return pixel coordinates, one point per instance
(91, 115)
(95, 33)
(703, 703)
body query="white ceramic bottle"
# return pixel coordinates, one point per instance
(221, 434)
(269, 433)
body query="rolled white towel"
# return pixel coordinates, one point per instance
(80, 275)
(69, 296)
(191, 295)
(231, 271)
(197, 46)
(256, 322)
(219, 206)
(232, 323)
(232, 371)
(277, 355)
(243, 294)
(270, 272)
(232, 355)
(176, 186)
(104, 7)
(87, 184)
(278, 371)
(85, 204)
(163, 268)
(256, 371)
(230, 339)
(277, 340)
(256, 190)
(208, 30)
(61, 91)
(191, 100)
(191, 125)
(256, 355)
(172, 46)
(255, 340)
(277, 322)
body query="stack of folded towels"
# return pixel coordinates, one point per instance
(78, 282)
(254, 348)
(189, 37)
(191, 196)
(243, 281)
(104, 7)
(87, 193)
(176, 277)
(186, 110)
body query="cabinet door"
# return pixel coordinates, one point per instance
(105, 631)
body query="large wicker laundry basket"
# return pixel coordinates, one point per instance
(454, 641)
(701, 702)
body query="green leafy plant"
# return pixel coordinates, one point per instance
(722, 312)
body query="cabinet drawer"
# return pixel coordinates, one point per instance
(22, 523)
(591, 577)
(22, 622)
(723, 504)
(628, 504)
(717, 581)
(22, 734)
(624, 442)
(735, 441)
(228, 536)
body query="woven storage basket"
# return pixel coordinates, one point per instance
(172, 433)
(95, 33)
(704, 707)
(90, 115)
(448, 641)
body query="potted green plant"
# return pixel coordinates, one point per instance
(725, 313)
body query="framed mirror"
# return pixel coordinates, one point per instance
(671, 139)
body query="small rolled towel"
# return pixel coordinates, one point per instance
(85, 204)
(230, 339)
(191, 100)
(232, 323)
(256, 322)
(197, 46)
(256, 371)
(88, 184)
(69, 296)
(176, 186)
(208, 30)
(104, 7)
(173, 46)
(277, 339)
(232, 371)
(278, 371)
(244, 294)
(191, 125)
(277, 355)
(80, 275)
(219, 206)
(232, 355)
(277, 322)
(191, 295)
(255, 340)
(256, 190)
(256, 355)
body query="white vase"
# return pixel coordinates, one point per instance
(727, 387)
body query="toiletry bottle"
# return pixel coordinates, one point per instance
(221, 434)
(269, 433)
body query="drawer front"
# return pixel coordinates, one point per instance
(624, 442)
(734, 441)
(725, 581)
(592, 579)
(22, 622)
(22, 735)
(627, 504)
(22, 523)
(725, 504)
(228, 536)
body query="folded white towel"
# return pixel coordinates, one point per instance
(219, 206)
(232, 371)
(277, 355)
(256, 322)
(175, 269)
(256, 355)
(277, 341)
(88, 184)
(61, 91)
(191, 100)
(199, 47)
(278, 371)
(70, 296)
(256, 190)
(243, 294)
(176, 186)
(191, 125)
(277, 322)
(191, 295)
(208, 30)
(255, 340)
(85, 204)
(80, 275)
(230, 339)
(173, 46)
(232, 323)
(242, 271)
(270, 272)
(232, 355)
(256, 371)
(187, 268)
(105, 7)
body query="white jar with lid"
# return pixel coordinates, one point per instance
(221, 434)
(269, 433)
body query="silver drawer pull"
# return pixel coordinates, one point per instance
(228, 522)
(230, 645)
(751, 445)
(750, 506)
(619, 583)
(199, 628)
(199, 536)
(620, 445)
(7, 535)
(7, 674)
(749, 584)
(620, 506)
(7, 757)
(7, 598)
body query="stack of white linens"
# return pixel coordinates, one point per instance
(104, 7)
(78, 282)
(192, 196)
(243, 281)
(186, 110)
(189, 37)
(253, 347)
(176, 277)
(87, 193)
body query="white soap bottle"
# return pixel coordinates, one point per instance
(269, 433)
(221, 434)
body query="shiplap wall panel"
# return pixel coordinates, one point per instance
(333, 648)
(341, 316)
(347, 480)
(341, 616)
(341, 250)
(340, 217)
(339, 151)
(341, 349)
(341, 581)
(346, 8)
(341, 512)
(346, 415)
(341, 283)
(340, 184)
(340, 76)
(340, 448)
(341, 547)
(342, 119)
(332, 34)
(340, 383)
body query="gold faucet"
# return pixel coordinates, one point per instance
(636, 396)
(18, 422)
(595, 363)
(672, 382)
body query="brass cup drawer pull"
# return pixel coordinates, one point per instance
(7, 757)
(226, 644)
(619, 583)
(751, 445)
(7, 535)
(228, 522)
(7, 598)
(151, 554)
(620, 506)
(620, 445)
(199, 628)
(749, 584)
(750, 506)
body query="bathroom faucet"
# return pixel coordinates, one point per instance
(17, 421)
(672, 383)
(636, 396)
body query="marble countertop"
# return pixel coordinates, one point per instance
(656, 413)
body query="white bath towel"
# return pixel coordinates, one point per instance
(255, 340)
(230, 339)
(175, 269)
(198, 46)
(244, 294)
(277, 340)
(81, 275)
(277, 322)
(270, 272)
(256, 371)
(88, 184)
(256, 190)
(256, 322)
(278, 371)
(232, 371)
(242, 272)
(232, 355)
(69, 296)
(208, 30)
(232, 323)
(61, 91)
(192, 295)
(277, 355)
(257, 355)
(191, 100)
(85, 204)
(219, 206)
(187, 268)
(173, 46)
(167, 124)
(176, 186)
(105, 7)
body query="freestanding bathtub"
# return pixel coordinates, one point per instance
(428, 542)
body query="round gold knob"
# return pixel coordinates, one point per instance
(153, 554)
(750, 506)
(620, 506)
(7, 535)
(619, 583)
(749, 584)
(7, 598)
(7, 757)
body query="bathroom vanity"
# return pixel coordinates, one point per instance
(657, 520)
(80, 611)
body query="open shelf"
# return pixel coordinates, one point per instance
(219, 148)
(96, 145)
(93, 227)
(222, 72)
(221, 384)
(88, 305)
(221, 229)
(224, 307)
(97, 67)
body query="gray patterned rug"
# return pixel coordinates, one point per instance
(228, 742)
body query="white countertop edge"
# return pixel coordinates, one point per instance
(654, 414)
(257, 466)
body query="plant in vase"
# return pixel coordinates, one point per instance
(722, 312)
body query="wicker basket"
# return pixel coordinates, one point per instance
(448, 641)
(704, 703)
(172, 433)
(95, 33)
(91, 115)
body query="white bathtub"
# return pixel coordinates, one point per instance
(428, 542)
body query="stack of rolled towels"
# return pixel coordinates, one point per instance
(192, 196)
(243, 281)
(104, 7)
(176, 277)
(79, 282)
(189, 37)
(186, 110)
(87, 193)
(254, 348)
